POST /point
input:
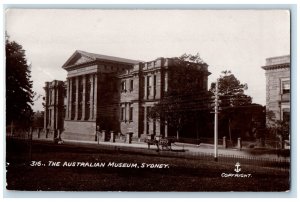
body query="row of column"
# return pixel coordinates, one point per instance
(86, 96)
(154, 126)
(51, 104)
(126, 107)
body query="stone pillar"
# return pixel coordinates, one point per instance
(158, 128)
(95, 96)
(46, 106)
(112, 136)
(129, 137)
(56, 107)
(224, 142)
(165, 87)
(77, 97)
(91, 77)
(145, 121)
(166, 130)
(83, 97)
(70, 98)
(158, 85)
(58, 133)
(145, 87)
(103, 136)
(239, 143)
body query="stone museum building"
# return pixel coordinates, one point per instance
(54, 108)
(277, 71)
(110, 94)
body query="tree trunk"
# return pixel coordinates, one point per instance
(11, 128)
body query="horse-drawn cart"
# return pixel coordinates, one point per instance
(164, 142)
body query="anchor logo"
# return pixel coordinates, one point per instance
(237, 167)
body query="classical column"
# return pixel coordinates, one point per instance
(145, 87)
(145, 120)
(166, 79)
(157, 129)
(77, 96)
(67, 104)
(55, 106)
(83, 97)
(95, 96)
(153, 86)
(158, 85)
(91, 77)
(70, 97)
(46, 106)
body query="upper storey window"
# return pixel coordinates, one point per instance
(149, 84)
(285, 86)
(123, 86)
(131, 85)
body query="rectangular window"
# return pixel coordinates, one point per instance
(50, 97)
(123, 114)
(148, 86)
(131, 114)
(286, 114)
(147, 127)
(123, 86)
(131, 85)
(285, 86)
(154, 86)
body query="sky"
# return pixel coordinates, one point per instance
(236, 40)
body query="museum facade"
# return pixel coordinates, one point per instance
(114, 95)
(278, 97)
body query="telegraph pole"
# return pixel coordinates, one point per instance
(216, 122)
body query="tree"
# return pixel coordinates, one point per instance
(231, 98)
(19, 92)
(278, 129)
(186, 95)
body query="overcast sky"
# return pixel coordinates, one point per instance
(238, 40)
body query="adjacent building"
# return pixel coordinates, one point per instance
(111, 94)
(54, 108)
(277, 71)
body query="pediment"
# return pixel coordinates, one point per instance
(76, 59)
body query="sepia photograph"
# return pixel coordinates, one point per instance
(148, 100)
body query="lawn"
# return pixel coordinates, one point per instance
(166, 174)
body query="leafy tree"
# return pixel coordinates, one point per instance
(277, 128)
(231, 91)
(19, 92)
(186, 95)
(231, 98)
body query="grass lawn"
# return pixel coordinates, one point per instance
(180, 174)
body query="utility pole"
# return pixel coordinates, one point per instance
(216, 122)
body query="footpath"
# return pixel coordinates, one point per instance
(182, 148)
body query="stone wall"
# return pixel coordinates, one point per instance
(273, 89)
(79, 130)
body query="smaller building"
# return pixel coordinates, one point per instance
(278, 87)
(54, 113)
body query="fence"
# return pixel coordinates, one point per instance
(181, 150)
(279, 163)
